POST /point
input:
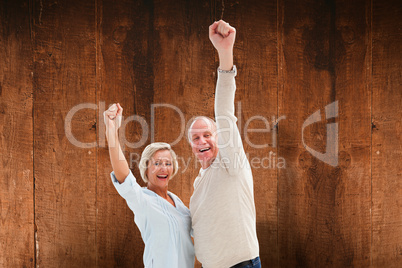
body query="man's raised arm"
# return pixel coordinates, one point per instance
(222, 36)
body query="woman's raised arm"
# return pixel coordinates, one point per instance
(112, 117)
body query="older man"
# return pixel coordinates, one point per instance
(222, 205)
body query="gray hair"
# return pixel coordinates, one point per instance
(149, 152)
(206, 119)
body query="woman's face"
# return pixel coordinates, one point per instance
(160, 170)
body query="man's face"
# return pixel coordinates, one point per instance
(203, 141)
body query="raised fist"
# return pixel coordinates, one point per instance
(112, 117)
(222, 36)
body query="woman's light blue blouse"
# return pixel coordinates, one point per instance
(165, 229)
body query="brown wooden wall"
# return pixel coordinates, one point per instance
(58, 207)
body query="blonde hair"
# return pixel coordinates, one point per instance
(149, 152)
(206, 119)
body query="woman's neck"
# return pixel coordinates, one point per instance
(162, 192)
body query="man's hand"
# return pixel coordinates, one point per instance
(112, 118)
(222, 36)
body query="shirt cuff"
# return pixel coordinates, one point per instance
(125, 186)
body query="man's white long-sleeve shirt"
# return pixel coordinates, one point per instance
(222, 205)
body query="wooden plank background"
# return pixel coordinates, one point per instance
(386, 139)
(17, 242)
(58, 207)
(64, 57)
(324, 212)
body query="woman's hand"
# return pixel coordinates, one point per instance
(112, 117)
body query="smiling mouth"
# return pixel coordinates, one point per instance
(162, 176)
(205, 150)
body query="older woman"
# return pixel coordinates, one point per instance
(162, 218)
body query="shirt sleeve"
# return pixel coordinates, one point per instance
(131, 191)
(229, 139)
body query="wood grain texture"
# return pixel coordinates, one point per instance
(16, 137)
(324, 211)
(387, 134)
(65, 185)
(255, 56)
(125, 75)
